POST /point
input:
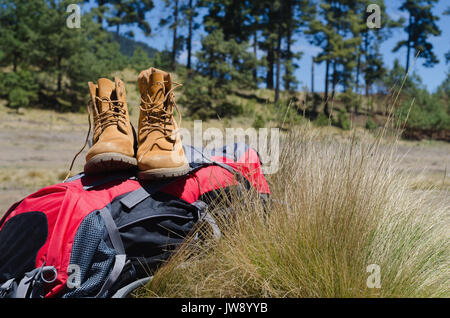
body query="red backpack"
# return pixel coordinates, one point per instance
(93, 236)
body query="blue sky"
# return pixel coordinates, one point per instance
(431, 77)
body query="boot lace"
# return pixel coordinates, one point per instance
(111, 116)
(160, 118)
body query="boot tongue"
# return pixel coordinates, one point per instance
(157, 92)
(105, 89)
(156, 89)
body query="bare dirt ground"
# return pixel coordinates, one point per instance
(37, 147)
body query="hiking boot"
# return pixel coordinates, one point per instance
(113, 138)
(160, 152)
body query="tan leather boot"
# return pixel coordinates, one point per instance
(160, 152)
(113, 139)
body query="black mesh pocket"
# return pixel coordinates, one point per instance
(92, 256)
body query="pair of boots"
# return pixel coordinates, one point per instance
(157, 151)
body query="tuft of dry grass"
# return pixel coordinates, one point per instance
(336, 208)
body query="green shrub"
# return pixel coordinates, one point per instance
(423, 111)
(140, 60)
(350, 100)
(195, 98)
(343, 120)
(162, 60)
(249, 108)
(370, 124)
(203, 99)
(285, 112)
(18, 97)
(19, 88)
(322, 120)
(226, 108)
(259, 122)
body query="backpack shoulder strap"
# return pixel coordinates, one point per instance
(120, 258)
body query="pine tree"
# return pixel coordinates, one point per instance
(231, 16)
(255, 12)
(420, 26)
(447, 55)
(18, 28)
(174, 22)
(189, 11)
(297, 14)
(101, 9)
(225, 61)
(269, 33)
(321, 36)
(369, 59)
(335, 29)
(234, 19)
(68, 58)
(395, 77)
(279, 37)
(222, 66)
(130, 12)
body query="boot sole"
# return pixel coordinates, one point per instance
(162, 173)
(110, 161)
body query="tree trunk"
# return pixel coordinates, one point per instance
(255, 50)
(312, 76)
(408, 47)
(117, 31)
(287, 83)
(334, 80)
(15, 63)
(366, 51)
(174, 42)
(99, 17)
(361, 51)
(189, 41)
(358, 67)
(270, 63)
(277, 87)
(288, 72)
(326, 108)
(59, 79)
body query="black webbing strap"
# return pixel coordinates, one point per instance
(106, 179)
(137, 196)
(205, 216)
(33, 282)
(113, 232)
